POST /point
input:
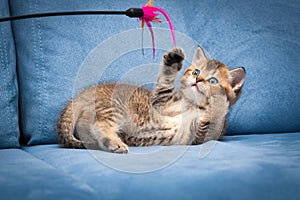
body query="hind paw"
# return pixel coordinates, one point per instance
(115, 146)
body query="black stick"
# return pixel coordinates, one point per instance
(131, 12)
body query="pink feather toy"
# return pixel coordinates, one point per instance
(151, 15)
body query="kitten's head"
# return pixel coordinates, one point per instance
(206, 77)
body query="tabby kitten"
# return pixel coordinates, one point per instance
(111, 116)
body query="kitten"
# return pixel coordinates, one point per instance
(113, 116)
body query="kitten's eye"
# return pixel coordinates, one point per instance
(213, 81)
(196, 72)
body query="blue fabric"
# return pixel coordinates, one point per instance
(22, 176)
(262, 166)
(60, 56)
(9, 128)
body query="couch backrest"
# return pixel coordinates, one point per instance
(59, 56)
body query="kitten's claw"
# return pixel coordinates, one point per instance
(118, 147)
(174, 56)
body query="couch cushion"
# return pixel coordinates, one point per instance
(60, 56)
(264, 166)
(23, 176)
(9, 128)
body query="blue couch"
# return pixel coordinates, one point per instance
(44, 62)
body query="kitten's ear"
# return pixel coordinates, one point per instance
(199, 56)
(237, 78)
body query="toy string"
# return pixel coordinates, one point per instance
(131, 12)
(146, 14)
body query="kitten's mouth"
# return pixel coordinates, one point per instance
(197, 87)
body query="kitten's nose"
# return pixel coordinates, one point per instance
(199, 79)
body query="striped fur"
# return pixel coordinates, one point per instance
(112, 116)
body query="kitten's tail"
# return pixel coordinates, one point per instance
(65, 128)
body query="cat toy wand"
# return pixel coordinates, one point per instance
(147, 14)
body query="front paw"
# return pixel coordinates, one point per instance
(174, 58)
